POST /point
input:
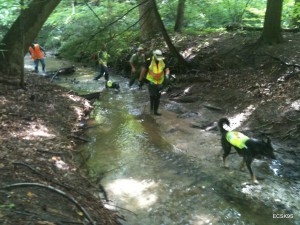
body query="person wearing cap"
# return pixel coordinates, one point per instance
(102, 58)
(137, 63)
(157, 72)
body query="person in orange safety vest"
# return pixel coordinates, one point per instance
(157, 73)
(37, 54)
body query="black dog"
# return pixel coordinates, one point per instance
(246, 147)
(113, 85)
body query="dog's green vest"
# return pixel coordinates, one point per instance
(109, 83)
(237, 139)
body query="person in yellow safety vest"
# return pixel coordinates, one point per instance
(102, 57)
(157, 72)
(37, 54)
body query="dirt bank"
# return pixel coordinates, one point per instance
(40, 182)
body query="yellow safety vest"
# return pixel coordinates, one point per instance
(237, 139)
(103, 57)
(156, 71)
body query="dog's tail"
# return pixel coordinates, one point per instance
(221, 123)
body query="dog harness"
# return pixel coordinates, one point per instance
(109, 83)
(237, 139)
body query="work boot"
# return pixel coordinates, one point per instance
(157, 114)
(130, 83)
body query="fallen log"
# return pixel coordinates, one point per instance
(79, 138)
(62, 71)
(91, 96)
(212, 107)
(185, 99)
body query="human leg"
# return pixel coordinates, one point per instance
(100, 74)
(43, 64)
(158, 89)
(132, 78)
(36, 65)
(105, 72)
(156, 105)
(151, 90)
(154, 92)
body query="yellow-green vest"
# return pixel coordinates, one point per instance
(237, 139)
(156, 72)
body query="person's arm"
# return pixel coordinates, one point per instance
(144, 70)
(167, 72)
(167, 77)
(131, 62)
(142, 74)
(43, 50)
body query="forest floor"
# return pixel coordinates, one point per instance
(260, 82)
(40, 125)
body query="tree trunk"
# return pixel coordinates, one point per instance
(148, 20)
(272, 25)
(181, 61)
(32, 18)
(180, 16)
(152, 26)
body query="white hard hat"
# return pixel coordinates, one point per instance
(158, 54)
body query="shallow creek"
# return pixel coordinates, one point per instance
(161, 171)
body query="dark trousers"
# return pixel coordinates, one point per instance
(133, 77)
(36, 64)
(103, 71)
(154, 92)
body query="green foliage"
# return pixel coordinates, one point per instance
(89, 24)
(9, 11)
(84, 29)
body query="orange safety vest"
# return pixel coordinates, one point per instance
(156, 72)
(36, 53)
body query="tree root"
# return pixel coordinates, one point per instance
(62, 193)
(292, 132)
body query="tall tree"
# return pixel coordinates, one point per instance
(157, 28)
(272, 24)
(148, 19)
(27, 26)
(180, 16)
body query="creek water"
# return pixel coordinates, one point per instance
(160, 171)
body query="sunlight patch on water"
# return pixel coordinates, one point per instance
(202, 219)
(275, 167)
(136, 192)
